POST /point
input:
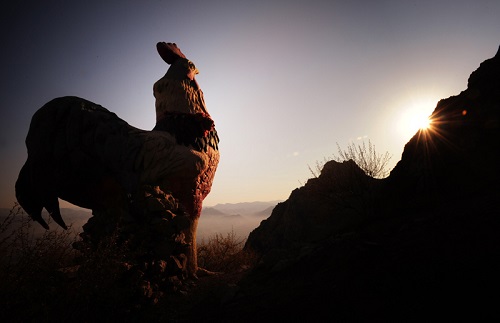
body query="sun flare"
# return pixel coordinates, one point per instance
(415, 118)
(422, 122)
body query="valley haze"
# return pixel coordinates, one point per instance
(241, 218)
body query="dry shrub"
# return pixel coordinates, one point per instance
(30, 260)
(365, 156)
(24, 247)
(43, 278)
(224, 253)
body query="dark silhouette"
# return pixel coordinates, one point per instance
(421, 243)
(84, 154)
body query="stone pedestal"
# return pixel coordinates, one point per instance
(146, 234)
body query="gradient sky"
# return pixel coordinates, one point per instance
(284, 80)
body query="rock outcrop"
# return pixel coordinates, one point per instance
(338, 199)
(457, 158)
(422, 242)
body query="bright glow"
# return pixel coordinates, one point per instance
(416, 117)
(423, 122)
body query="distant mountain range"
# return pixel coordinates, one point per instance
(261, 209)
(240, 218)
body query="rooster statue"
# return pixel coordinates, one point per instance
(82, 153)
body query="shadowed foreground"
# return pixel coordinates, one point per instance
(420, 244)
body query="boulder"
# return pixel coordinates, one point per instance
(339, 198)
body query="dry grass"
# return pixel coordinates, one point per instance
(224, 253)
(22, 245)
(43, 278)
(29, 266)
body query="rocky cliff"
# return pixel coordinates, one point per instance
(458, 157)
(422, 242)
(455, 159)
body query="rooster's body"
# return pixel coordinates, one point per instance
(83, 153)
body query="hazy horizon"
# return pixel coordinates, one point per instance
(241, 223)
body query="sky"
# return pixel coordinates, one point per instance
(284, 81)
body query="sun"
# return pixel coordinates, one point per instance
(422, 121)
(416, 117)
